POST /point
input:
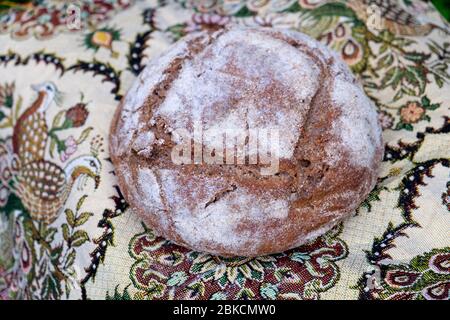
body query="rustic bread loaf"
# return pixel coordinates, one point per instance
(241, 79)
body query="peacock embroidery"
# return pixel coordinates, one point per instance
(42, 185)
(392, 16)
(30, 132)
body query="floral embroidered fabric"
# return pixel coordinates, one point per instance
(67, 233)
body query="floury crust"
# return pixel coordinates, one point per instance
(329, 151)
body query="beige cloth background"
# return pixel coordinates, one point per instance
(395, 246)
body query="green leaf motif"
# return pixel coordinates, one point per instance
(65, 231)
(52, 146)
(197, 288)
(269, 291)
(417, 57)
(333, 9)
(398, 95)
(425, 102)
(240, 279)
(177, 279)
(256, 275)
(300, 257)
(389, 76)
(9, 102)
(79, 237)
(50, 234)
(383, 48)
(196, 267)
(70, 217)
(405, 126)
(81, 201)
(219, 296)
(83, 218)
(124, 295)
(57, 118)
(245, 293)
(55, 253)
(244, 12)
(84, 134)
(419, 78)
(280, 273)
(439, 81)
(223, 280)
(70, 259)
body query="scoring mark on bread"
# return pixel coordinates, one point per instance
(154, 100)
(220, 194)
(191, 207)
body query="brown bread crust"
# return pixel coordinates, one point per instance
(332, 150)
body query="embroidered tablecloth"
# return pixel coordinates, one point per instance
(67, 232)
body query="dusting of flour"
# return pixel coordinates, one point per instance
(241, 80)
(218, 222)
(357, 126)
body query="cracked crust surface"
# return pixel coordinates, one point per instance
(330, 143)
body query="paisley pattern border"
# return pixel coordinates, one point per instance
(404, 70)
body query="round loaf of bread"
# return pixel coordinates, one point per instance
(310, 153)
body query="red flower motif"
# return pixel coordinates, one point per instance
(351, 52)
(326, 38)
(207, 21)
(412, 112)
(340, 31)
(403, 296)
(173, 271)
(25, 258)
(77, 115)
(401, 278)
(439, 291)
(310, 4)
(440, 263)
